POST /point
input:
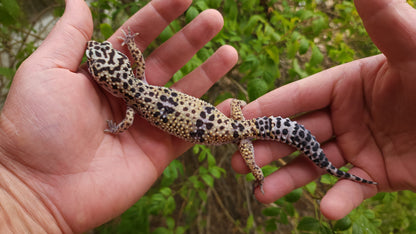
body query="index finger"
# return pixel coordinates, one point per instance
(313, 93)
(150, 21)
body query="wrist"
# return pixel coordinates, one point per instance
(23, 209)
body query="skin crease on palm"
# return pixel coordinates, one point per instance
(55, 159)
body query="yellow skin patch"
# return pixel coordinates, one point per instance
(190, 118)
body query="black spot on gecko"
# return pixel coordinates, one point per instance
(301, 134)
(169, 110)
(115, 79)
(199, 123)
(235, 134)
(171, 101)
(209, 125)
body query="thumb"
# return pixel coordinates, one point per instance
(65, 44)
(391, 26)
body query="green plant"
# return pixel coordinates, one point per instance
(278, 42)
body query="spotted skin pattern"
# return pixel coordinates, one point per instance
(190, 118)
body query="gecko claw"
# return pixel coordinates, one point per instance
(258, 184)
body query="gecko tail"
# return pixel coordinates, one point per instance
(331, 169)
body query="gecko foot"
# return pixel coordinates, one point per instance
(127, 36)
(258, 184)
(112, 127)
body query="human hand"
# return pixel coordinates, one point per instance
(368, 105)
(63, 171)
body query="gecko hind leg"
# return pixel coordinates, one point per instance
(246, 146)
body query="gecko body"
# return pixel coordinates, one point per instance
(193, 119)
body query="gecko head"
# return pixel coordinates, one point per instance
(109, 67)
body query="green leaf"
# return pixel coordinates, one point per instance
(292, 47)
(12, 8)
(215, 171)
(196, 149)
(343, 224)
(309, 224)
(5, 18)
(106, 30)
(202, 155)
(202, 5)
(214, 3)
(328, 179)
(208, 179)
(7, 72)
(289, 209)
(248, 5)
(256, 88)
(273, 53)
(165, 191)
(191, 13)
(170, 206)
(230, 10)
(283, 219)
(311, 187)
(317, 57)
(211, 159)
(253, 22)
(271, 225)
(269, 169)
(294, 196)
(343, 54)
(170, 222)
(202, 194)
(171, 173)
(180, 230)
(303, 46)
(369, 214)
(271, 211)
(297, 70)
(161, 230)
(318, 25)
(250, 222)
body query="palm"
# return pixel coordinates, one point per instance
(368, 105)
(59, 116)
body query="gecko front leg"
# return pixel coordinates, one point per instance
(136, 53)
(115, 128)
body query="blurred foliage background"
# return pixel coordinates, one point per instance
(278, 42)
